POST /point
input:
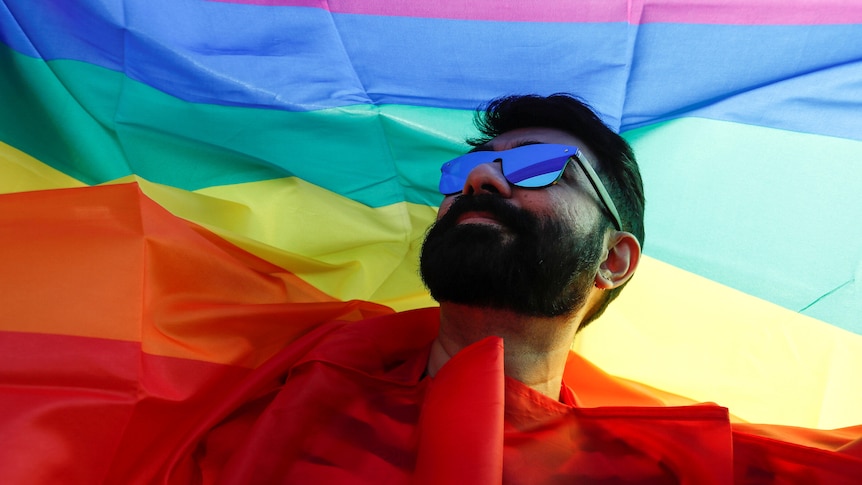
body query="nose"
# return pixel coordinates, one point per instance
(487, 178)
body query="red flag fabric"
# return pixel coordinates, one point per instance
(378, 418)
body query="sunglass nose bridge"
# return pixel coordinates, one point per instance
(487, 177)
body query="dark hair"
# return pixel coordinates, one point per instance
(617, 165)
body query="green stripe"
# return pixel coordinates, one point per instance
(98, 125)
(61, 120)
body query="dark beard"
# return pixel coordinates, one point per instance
(535, 266)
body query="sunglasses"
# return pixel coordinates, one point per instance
(529, 166)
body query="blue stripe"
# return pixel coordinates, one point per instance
(798, 78)
(306, 59)
(303, 59)
(88, 31)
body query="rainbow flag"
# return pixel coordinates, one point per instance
(188, 186)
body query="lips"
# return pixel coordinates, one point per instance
(487, 210)
(478, 217)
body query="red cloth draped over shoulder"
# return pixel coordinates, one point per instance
(352, 405)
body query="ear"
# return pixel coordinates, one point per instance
(624, 253)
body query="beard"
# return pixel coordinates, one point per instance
(532, 265)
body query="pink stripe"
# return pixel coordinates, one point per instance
(748, 12)
(732, 12)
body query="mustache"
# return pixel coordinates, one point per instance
(515, 218)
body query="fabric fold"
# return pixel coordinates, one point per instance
(461, 426)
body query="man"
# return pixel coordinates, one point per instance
(532, 264)
(541, 227)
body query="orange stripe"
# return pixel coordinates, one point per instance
(108, 262)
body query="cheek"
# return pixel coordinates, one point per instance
(577, 212)
(444, 206)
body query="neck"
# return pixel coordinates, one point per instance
(536, 348)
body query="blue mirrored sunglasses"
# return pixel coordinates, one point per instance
(529, 166)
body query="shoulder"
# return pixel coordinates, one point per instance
(369, 345)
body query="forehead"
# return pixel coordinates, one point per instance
(524, 136)
(532, 135)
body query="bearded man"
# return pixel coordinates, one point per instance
(532, 260)
(540, 229)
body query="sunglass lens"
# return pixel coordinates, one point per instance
(533, 173)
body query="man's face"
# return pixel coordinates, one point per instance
(532, 251)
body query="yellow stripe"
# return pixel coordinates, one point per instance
(344, 248)
(689, 335)
(20, 172)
